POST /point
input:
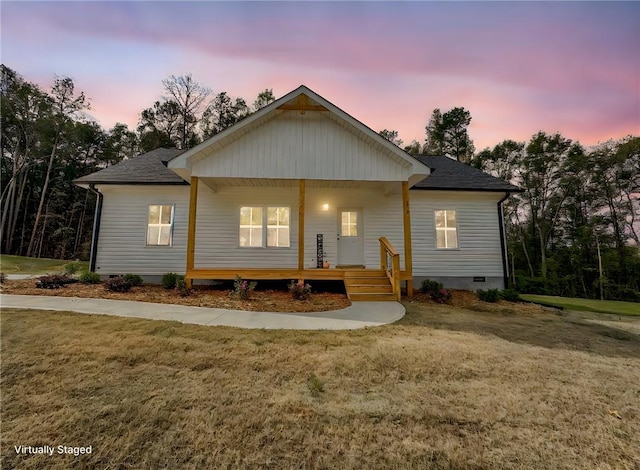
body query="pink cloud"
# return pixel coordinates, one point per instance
(518, 68)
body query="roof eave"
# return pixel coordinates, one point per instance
(484, 190)
(86, 184)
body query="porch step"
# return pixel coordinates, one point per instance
(371, 285)
(372, 297)
(358, 273)
(368, 281)
(370, 289)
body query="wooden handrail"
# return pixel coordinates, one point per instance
(388, 246)
(391, 269)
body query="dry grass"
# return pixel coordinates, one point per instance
(202, 296)
(444, 388)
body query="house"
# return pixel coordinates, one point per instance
(297, 185)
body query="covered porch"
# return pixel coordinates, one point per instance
(314, 219)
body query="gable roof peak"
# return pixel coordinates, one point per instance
(292, 101)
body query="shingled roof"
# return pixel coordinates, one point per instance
(448, 174)
(148, 168)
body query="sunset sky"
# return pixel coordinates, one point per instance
(517, 67)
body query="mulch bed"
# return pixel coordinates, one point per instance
(261, 301)
(469, 300)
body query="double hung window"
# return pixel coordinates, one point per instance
(160, 225)
(446, 229)
(264, 227)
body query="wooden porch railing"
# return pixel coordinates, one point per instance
(390, 264)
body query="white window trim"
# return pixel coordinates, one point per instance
(445, 229)
(251, 226)
(265, 226)
(160, 225)
(277, 226)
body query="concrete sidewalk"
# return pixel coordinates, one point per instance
(358, 315)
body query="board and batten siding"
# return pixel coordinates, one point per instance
(479, 252)
(302, 146)
(123, 230)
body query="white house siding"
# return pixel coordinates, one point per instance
(122, 242)
(123, 230)
(303, 146)
(479, 253)
(382, 216)
(219, 215)
(217, 227)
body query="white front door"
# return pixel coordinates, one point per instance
(350, 238)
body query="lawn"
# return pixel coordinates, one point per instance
(589, 305)
(443, 388)
(10, 264)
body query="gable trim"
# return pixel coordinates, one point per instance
(184, 161)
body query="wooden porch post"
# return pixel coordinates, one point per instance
(191, 234)
(406, 219)
(301, 203)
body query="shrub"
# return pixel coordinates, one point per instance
(133, 279)
(169, 280)
(87, 277)
(489, 295)
(315, 385)
(441, 296)
(53, 281)
(429, 286)
(242, 289)
(117, 284)
(510, 295)
(71, 268)
(300, 290)
(436, 291)
(181, 287)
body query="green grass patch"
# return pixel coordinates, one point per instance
(602, 306)
(10, 264)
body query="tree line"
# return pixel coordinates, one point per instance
(47, 140)
(573, 231)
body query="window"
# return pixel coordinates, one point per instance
(159, 225)
(251, 226)
(278, 226)
(350, 224)
(446, 229)
(261, 227)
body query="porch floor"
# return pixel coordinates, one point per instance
(361, 284)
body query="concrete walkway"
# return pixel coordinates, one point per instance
(358, 315)
(19, 277)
